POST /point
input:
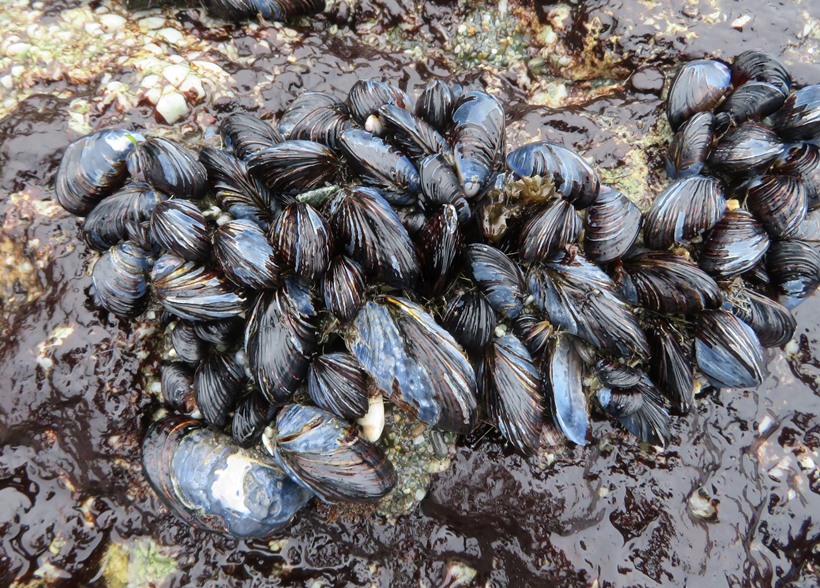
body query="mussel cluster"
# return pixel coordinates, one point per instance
(375, 246)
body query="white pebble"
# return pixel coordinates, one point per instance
(112, 22)
(172, 107)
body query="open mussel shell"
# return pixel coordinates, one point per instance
(435, 104)
(177, 387)
(416, 362)
(178, 226)
(511, 392)
(218, 383)
(302, 240)
(794, 270)
(439, 183)
(438, 245)
(745, 149)
(343, 288)
(498, 278)
(761, 67)
(687, 208)
(563, 388)
(478, 139)
(193, 292)
(802, 162)
(689, 147)
(734, 245)
(371, 233)
(93, 167)
(773, 323)
(381, 165)
(222, 332)
(413, 136)
(698, 86)
(186, 343)
(670, 366)
(302, 106)
(325, 455)
(337, 383)
(574, 178)
(294, 165)
(245, 256)
(630, 397)
(779, 202)
(208, 481)
(799, 118)
(245, 134)
(170, 168)
(670, 284)
(728, 351)
(751, 101)
(470, 319)
(236, 191)
(278, 10)
(280, 337)
(120, 278)
(253, 413)
(120, 215)
(549, 231)
(611, 226)
(367, 96)
(580, 298)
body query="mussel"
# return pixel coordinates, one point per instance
(294, 165)
(208, 481)
(120, 278)
(734, 245)
(245, 134)
(279, 10)
(478, 139)
(745, 149)
(245, 256)
(779, 202)
(337, 383)
(690, 146)
(380, 164)
(687, 208)
(178, 226)
(799, 118)
(218, 382)
(169, 167)
(794, 269)
(498, 277)
(611, 226)
(120, 216)
(549, 231)
(470, 319)
(177, 387)
(773, 323)
(562, 377)
(698, 86)
(727, 351)
(343, 288)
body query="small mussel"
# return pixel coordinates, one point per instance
(728, 351)
(301, 108)
(218, 382)
(343, 288)
(438, 245)
(338, 383)
(120, 279)
(549, 231)
(773, 323)
(372, 234)
(435, 104)
(120, 216)
(574, 178)
(193, 292)
(280, 338)
(611, 226)
(794, 269)
(630, 397)
(170, 168)
(697, 87)
(799, 118)
(439, 183)
(745, 149)
(416, 362)
(294, 165)
(779, 202)
(498, 278)
(754, 65)
(220, 332)
(253, 413)
(245, 256)
(208, 481)
(668, 283)
(751, 101)
(324, 454)
(670, 366)
(93, 167)
(689, 147)
(177, 387)
(413, 136)
(178, 226)
(278, 10)
(302, 240)
(566, 400)
(478, 139)
(381, 165)
(367, 96)
(469, 317)
(245, 134)
(511, 392)
(186, 343)
(687, 208)
(734, 246)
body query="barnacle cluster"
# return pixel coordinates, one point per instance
(374, 246)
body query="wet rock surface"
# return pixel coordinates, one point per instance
(734, 500)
